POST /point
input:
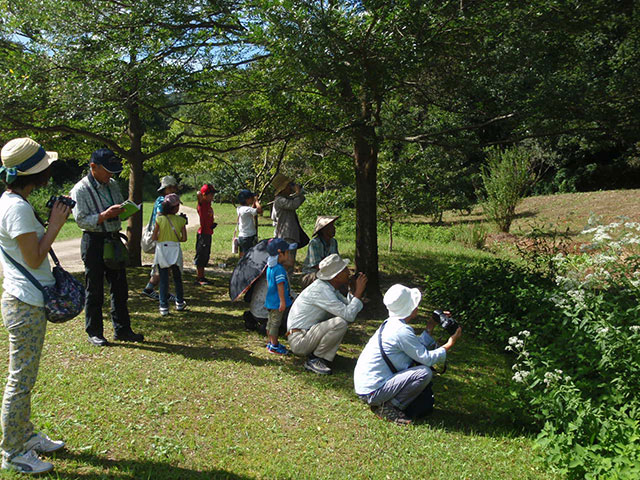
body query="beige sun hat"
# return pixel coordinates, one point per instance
(167, 181)
(401, 301)
(322, 221)
(24, 156)
(279, 182)
(331, 266)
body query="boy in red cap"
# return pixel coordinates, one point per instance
(203, 239)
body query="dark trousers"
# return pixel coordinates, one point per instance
(164, 285)
(95, 273)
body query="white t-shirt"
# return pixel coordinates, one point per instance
(17, 218)
(246, 224)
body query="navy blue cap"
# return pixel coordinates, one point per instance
(244, 195)
(108, 159)
(276, 244)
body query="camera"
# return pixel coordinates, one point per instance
(447, 323)
(68, 201)
(186, 219)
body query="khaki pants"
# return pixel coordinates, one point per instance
(323, 339)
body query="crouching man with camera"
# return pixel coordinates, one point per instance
(384, 376)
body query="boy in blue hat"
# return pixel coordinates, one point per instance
(278, 293)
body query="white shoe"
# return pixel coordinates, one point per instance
(41, 443)
(181, 306)
(164, 311)
(27, 463)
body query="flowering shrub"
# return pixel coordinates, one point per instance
(579, 375)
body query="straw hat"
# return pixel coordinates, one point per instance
(322, 221)
(279, 182)
(331, 266)
(24, 156)
(401, 301)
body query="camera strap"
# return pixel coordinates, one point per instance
(95, 203)
(386, 359)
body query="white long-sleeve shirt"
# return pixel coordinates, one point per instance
(319, 302)
(402, 346)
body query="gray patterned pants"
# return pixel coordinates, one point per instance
(27, 326)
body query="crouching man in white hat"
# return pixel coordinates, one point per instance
(384, 377)
(320, 315)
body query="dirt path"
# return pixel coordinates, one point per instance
(68, 251)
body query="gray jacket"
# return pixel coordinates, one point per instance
(285, 218)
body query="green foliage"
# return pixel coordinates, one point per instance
(492, 297)
(580, 375)
(506, 179)
(472, 236)
(330, 202)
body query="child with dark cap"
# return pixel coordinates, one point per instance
(203, 238)
(278, 293)
(248, 209)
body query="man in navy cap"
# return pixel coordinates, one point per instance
(98, 204)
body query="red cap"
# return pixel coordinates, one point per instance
(207, 188)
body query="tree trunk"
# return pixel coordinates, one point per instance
(366, 164)
(136, 157)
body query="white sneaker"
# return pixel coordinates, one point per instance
(41, 443)
(181, 306)
(164, 311)
(27, 463)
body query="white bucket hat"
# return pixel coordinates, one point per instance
(322, 221)
(401, 301)
(24, 156)
(331, 266)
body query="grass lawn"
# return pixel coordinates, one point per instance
(202, 398)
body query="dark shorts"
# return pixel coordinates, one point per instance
(203, 250)
(245, 243)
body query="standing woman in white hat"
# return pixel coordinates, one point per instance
(25, 167)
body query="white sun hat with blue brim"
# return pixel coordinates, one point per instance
(24, 156)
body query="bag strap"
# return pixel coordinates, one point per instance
(95, 203)
(51, 252)
(24, 271)
(386, 359)
(173, 228)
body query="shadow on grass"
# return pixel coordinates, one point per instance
(472, 397)
(131, 469)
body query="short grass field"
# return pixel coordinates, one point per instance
(201, 398)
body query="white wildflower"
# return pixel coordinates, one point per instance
(513, 340)
(525, 333)
(519, 377)
(600, 237)
(635, 328)
(603, 330)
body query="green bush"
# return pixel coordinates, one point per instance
(492, 297)
(506, 179)
(580, 375)
(330, 202)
